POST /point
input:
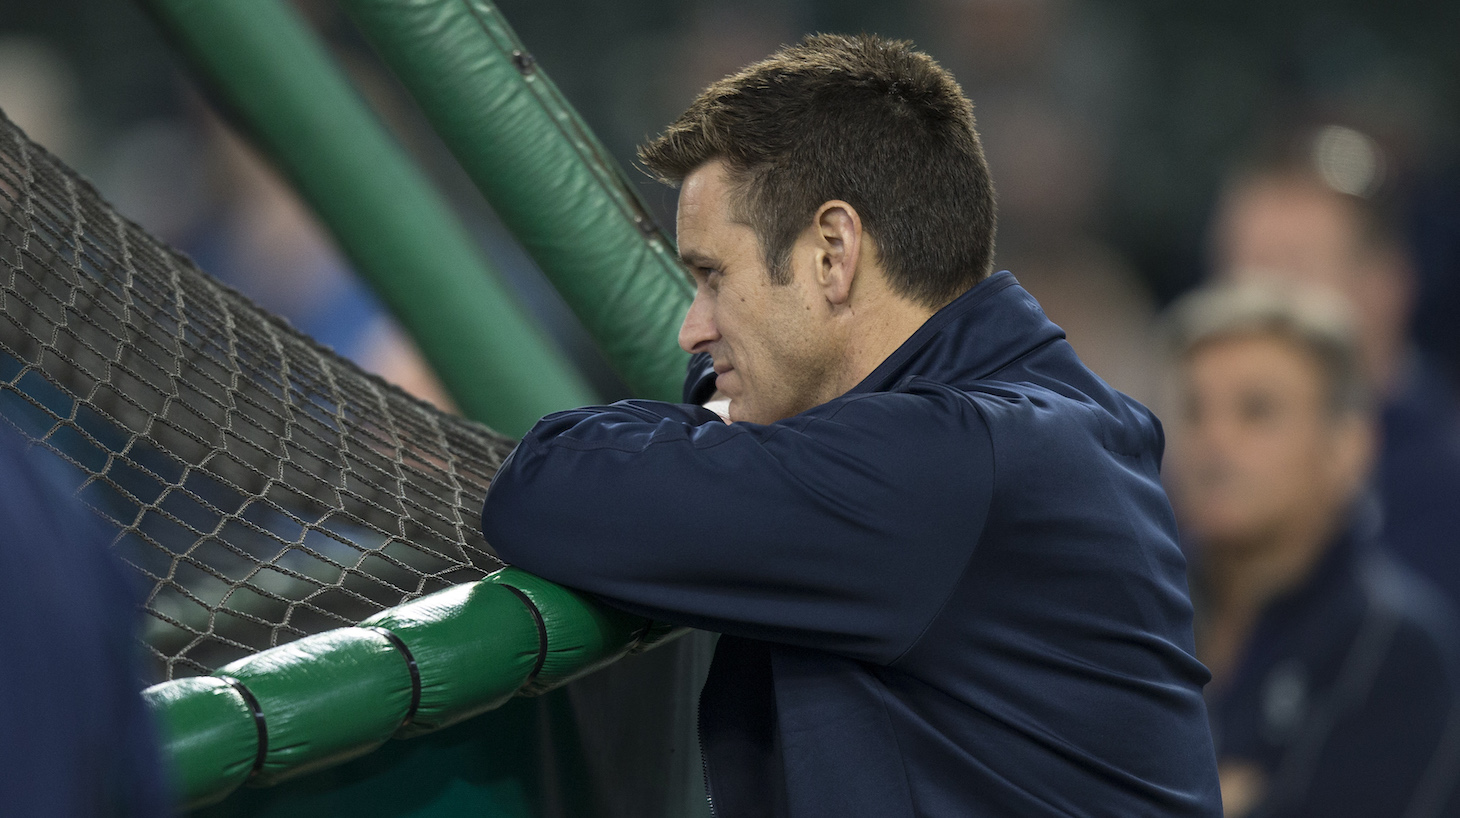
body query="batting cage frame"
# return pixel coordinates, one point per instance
(319, 581)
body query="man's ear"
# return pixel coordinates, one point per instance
(838, 237)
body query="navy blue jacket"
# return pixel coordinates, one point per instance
(1418, 476)
(953, 591)
(1347, 694)
(76, 740)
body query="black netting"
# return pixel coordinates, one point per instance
(264, 486)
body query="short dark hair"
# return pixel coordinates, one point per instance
(863, 119)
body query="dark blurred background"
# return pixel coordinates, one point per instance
(1109, 125)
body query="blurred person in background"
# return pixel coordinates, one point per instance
(1311, 216)
(1335, 680)
(76, 740)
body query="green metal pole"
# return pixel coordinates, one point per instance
(388, 219)
(550, 180)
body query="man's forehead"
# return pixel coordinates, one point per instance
(1270, 358)
(1288, 224)
(702, 191)
(706, 231)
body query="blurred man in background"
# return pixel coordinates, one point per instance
(1312, 217)
(1334, 669)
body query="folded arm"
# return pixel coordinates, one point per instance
(843, 529)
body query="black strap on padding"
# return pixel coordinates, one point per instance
(405, 653)
(258, 721)
(542, 634)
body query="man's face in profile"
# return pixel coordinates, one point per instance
(771, 359)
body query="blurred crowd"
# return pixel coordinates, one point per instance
(1245, 214)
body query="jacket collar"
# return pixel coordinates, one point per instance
(980, 332)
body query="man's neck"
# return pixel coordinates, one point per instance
(877, 328)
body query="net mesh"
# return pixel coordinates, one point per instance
(264, 487)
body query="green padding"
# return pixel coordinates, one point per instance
(208, 734)
(551, 181)
(474, 646)
(583, 634)
(396, 230)
(325, 698)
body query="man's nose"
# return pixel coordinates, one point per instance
(698, 330)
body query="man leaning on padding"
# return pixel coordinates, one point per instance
(935, 544)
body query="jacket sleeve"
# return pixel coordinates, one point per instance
(842, 529)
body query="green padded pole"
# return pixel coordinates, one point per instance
(325, 699)
(388, 219)
(550, 180)
(475, 645)
(312, 703)
(209, 735)
(415, 668)
(582, 635)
